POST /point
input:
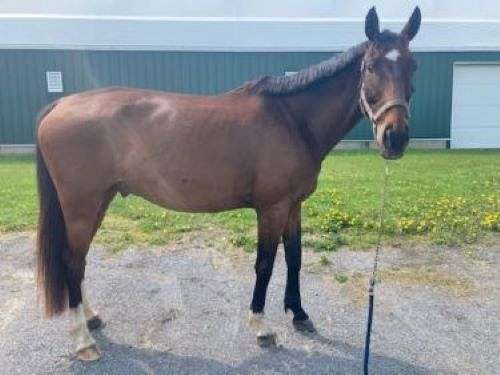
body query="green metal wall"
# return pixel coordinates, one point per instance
(23, 88)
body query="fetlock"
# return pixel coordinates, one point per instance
(295, 306)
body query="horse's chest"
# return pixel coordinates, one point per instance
(305, 185)
(291, 184)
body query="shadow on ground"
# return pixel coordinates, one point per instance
(278, 360)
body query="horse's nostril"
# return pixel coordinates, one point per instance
(395, 140)
(388, 137)
(406, 138)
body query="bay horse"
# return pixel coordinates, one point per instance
(259, 146)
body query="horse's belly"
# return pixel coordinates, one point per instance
(190, 194)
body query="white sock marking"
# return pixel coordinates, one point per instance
(87, 309)
(78, 330)
(393, 55)
(259, 325)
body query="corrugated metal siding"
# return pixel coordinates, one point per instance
(23, 89)
(431, 112)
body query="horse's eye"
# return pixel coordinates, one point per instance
(370, 67)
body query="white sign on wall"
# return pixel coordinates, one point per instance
(54, 82)
(288, 74)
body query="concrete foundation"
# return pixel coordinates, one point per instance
(343, 145)
(17, 149)
(414, 143)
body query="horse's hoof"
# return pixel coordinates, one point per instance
(266, 340)
(95, 323)
(304, 326)
(90, 354)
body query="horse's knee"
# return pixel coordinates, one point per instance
(264, 271)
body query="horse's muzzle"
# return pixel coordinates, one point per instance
(395, 140)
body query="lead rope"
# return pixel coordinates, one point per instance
(373, 278)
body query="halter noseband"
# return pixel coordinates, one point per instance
(375, 116)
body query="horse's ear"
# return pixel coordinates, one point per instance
(372, 28)
(411, 28)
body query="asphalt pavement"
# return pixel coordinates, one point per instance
(183, 309)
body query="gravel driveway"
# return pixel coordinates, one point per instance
(183, 309)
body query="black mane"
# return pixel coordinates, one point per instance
(306, 77)
(387, 37)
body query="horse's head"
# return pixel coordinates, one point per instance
(386, 73)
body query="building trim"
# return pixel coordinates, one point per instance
(17, 149)
(480, 62)
(412, 139)
(166, 48)
(238, 34)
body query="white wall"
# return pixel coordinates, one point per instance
(240, 25)
(450, 9)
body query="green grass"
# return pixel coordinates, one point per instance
(445, 197)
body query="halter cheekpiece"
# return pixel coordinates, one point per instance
(375, 116)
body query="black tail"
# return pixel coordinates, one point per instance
(52, 238)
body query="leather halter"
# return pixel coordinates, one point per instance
(375, 116)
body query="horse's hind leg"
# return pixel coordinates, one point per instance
(94, 321)
(82, 217)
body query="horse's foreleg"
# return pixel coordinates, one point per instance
(271, 223)
(293, 256)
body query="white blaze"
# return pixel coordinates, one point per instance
(393, 55)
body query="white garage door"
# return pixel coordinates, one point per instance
(475, 119)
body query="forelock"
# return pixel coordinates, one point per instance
(387, 37)
(386, 41)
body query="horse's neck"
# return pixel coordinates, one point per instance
(330, 109)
